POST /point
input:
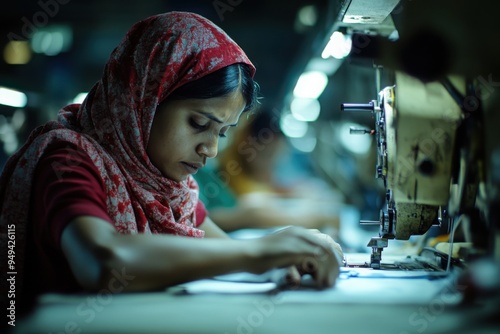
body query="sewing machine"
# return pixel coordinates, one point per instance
(438, 150)
(415, 143)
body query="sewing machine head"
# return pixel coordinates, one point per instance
(436, 126)
(415, 129)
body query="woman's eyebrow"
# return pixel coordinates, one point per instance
(213, 118)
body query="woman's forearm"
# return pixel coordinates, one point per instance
(157, 261)
(96, 253)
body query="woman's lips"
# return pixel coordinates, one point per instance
(192, 168)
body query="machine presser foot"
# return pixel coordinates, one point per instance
(377, 244)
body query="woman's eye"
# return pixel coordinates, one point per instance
(197, 125)
(204, 126)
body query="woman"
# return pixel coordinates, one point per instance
(107, 189)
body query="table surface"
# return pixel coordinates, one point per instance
(362, 301)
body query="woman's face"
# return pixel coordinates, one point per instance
(186, 132)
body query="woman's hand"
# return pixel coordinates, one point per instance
(337, 249)
(304, 252)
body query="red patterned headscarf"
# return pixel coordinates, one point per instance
(112, 126)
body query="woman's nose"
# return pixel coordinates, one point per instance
(208, 148)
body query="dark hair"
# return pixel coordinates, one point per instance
(265, 118)
(220, 83)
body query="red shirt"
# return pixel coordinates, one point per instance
(66, 185)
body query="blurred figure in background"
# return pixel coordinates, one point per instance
(242, 189)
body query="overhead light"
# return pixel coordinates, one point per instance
(338, 46)
(308, 15)
(310, 85)
(12, 98)
(80, 97)
(8, 136)
(52, 40)
(292, 127)
(326, 65)
(307, 143)
(305, 109)
(17, 52)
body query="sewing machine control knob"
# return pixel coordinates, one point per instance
(358, 106)
(369, 222)
(354, 131)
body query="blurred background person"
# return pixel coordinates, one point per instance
(257, 184)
